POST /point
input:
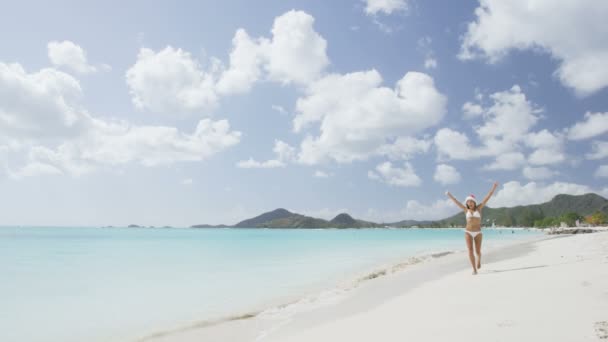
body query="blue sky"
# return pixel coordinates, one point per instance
(162, 113)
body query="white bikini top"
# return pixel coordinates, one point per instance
(473, 214)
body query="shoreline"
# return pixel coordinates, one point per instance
(296, 302)
(353, 295)
(552, 290)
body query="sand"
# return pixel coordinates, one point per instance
(554, 289)
(558, 291)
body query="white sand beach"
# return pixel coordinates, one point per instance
(555, 289)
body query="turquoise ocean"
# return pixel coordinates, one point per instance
(119, 284)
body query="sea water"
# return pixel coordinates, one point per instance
(116, 284)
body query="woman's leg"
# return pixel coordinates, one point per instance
(469, 241)
(478, 239)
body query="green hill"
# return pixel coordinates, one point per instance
(344, 220)
(209, 226)
(523, 216)
(410, 223)
(258, 221)
(294, 221)
(282, 218)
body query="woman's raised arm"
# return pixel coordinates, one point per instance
(456, 201)
(487, 198)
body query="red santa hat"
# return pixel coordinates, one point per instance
(470, 198)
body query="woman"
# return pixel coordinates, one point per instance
(472, 231)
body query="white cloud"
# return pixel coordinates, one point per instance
(44, 160)
(284, 151)
(538, 173)
(388, 174)
(424, 46)
(284, 154)
(253, 164)
(357, 115)
(279, 109)
(187, 181)
(321, 174)
(446, 174)
(387, 29)
(171, 81)
(373, 7)
(49, 131)
(549, 147)
(404, 148)
(580, 47)
(546, 156)
(505, 123)
(72, 56)
(39, 106)
(471, 110)
(544, 139)
(602, 171)
(296, 53)
(116, 143)
(454, 145)
(507, 161)
(599, 150)
(120, 142)
(508, 119)
(513, 193)
(245, 65)
(430, 63)
(33, 169)
(594, 125)
(505, 131)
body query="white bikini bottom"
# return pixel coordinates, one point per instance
(473, 234)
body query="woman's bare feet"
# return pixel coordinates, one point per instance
(474, 272)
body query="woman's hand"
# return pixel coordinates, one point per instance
(455, 201)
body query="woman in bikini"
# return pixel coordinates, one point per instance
(472, 232)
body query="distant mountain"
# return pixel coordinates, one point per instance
(409, 223)
(277, 214)
(344, 220)
(209, 226)
(515, 216)
(282, 218)
(526, 215)
(292, 220)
